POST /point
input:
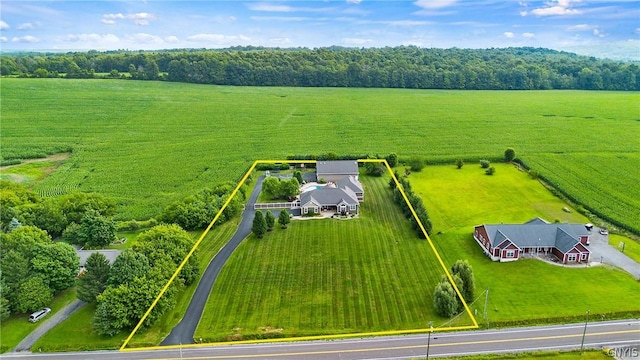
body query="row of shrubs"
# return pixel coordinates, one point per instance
(416, 203)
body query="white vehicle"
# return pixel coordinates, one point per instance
(603, 231)
(36, 316)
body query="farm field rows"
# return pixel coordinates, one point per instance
(321, 277)
(524, 290)
(147, 144)
(606, 174)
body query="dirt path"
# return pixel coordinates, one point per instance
(57, 318)
(54, 157)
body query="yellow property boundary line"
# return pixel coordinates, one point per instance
(301, 338)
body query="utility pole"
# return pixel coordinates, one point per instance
(584, 333)
(486, 300)
(429, 338)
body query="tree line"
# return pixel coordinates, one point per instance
(390, 67)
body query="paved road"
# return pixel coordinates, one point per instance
(610, 334)
(601, 251)
(183, 332)
(49, 324)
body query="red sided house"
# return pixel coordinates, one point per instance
(508, 242)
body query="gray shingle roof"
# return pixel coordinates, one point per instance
(350, 182)
(537, 233)
(111, 255)
(340, 167)
(329, 196)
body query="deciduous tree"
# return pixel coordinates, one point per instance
(57, 263)
(96, 231)
(392, 160)
(129, 265)
(445, 299)
(416, 163)
(271, 186)
(463, 269)
(33, 294)
(509, 155)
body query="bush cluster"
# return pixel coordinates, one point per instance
(197, 211)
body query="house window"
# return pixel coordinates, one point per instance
(305, 210)
(352, 207)
(572, 257)
(510, 253)
(584, 256)
(315, 209)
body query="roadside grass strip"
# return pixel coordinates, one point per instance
(353, 281)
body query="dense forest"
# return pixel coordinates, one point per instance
(397, 67)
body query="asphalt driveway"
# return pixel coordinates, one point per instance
(183, 332)
(602, 252)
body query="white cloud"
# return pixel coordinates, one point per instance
(508, 34)
(219, 39)
(3, 39)
(3, 25)
(356, 41)
(25, 26)
(138, 18)
(91, 38)
(25, 39)
(434, 4)
(580, 27)
(141, 18)
(354, 1)
(528, 35)
(270, 7)
(142, 38)
(637, 31)
(555, 8)
(282, 18)
(280, 41)
(171, 39)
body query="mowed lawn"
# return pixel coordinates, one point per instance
(525, 290)
(328, 276)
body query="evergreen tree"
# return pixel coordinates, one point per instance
(270, 220)
(283, 218)
(94, 280)
(259, 225)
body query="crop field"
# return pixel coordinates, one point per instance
(321, 277)
(147, 144)
(607, 173)
(524, 290)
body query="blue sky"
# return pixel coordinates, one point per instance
(600, 28)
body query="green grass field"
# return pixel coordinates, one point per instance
(525, 290)
(150, 143)
(328, 276)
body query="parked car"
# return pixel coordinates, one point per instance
(36, 316)
(603, 231)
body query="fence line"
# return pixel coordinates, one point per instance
(283, 205)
